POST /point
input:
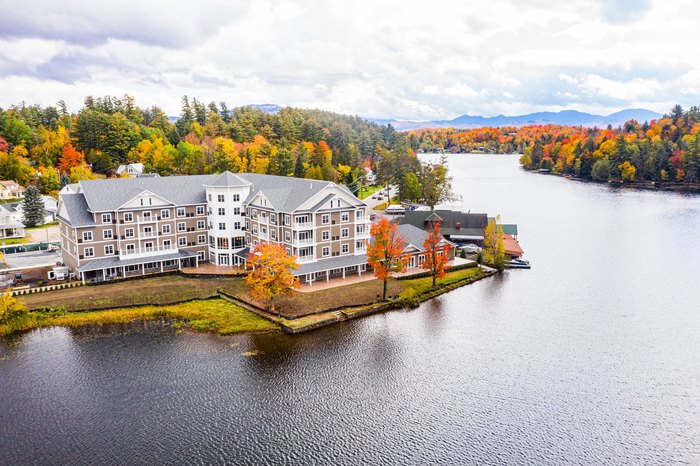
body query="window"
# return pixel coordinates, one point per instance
(209, 196)
(345, 217)
(222, 225)
(128, 217)
(287, 236)
(236, 198)
(346, 248)
(255, 214)
(286, 219)
(201, 239)
(130, 249)
(289, 252)
(107, 234)
(200, 255)
(147, 216)
(181, 226)
(220, 198)
(222, 211)
(273, 219)
(106, 218)
(263, 216)
(129, 233)
(164, 214)
(345, 232)
(200, 210)
(180, 211)
(222, 243)
(236, 211)
(87, 236)
(326, 251)
(237, 225)
(166, 229)
(325, 219)
(148, 232)
(182, 241)
(273, 234)
(148, 246)
(359, 245)
(166, 244)
(109, 250)
(201, 225)
(89, 252)
(325, 235)
(255, 229)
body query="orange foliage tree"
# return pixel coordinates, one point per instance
(384, 253)
(272, 273)
(436, 253)
(70, 158)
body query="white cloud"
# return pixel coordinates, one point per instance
(402, 59)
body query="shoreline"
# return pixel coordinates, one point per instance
(661, 186)
(206, 314)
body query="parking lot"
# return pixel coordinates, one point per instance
(27, 260)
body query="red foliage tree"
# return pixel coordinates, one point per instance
(436, 253)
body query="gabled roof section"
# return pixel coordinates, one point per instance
(287, 194)
(454, 222)
(433, 217)
(109, 195)
(228, 180)
(146, 192)
(412, 236)
(76, 209)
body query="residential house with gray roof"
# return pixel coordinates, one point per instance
(131, 226)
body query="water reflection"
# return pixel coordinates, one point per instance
(590, 357)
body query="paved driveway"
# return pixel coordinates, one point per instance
(42, 235)
(372, 203)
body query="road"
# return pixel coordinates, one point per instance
(372, 203)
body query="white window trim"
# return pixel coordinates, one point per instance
(325, 251)
(325, 219)
(85, 233)
(92, 252)
(109, 246)
(104, 234)
(108, 218)
(165, 213)
(178, 212)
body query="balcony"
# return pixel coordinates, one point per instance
(303, 242)
(150, 234)
(149, 219)
(305, 259)
(362, 234)
(303, 226)
(146, 252)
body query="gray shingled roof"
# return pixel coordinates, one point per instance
(331, 263)
(469, 224)
(284, 192)
(77, 210)
(412, 235)
(110, 194)
(114, 261)
(228, 179)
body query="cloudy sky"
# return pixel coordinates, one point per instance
(383, 59)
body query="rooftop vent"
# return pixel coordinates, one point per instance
(458, 225)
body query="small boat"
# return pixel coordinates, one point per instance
(518, 264)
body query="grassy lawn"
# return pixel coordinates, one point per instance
(42, 227)
(11, 241)
(367, 191)
(215, 315)
(152, 290)
(421, 285)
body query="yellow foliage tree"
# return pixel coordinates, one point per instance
(494, 248)
(272, 273)
(10, 306)
(627, 171)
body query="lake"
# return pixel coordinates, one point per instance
(590, 357)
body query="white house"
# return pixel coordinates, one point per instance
(130, 170)
(11, 225)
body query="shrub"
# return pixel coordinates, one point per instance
(409, 298)
(10, 307)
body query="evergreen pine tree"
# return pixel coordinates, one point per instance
(34, 213)
(64, 180)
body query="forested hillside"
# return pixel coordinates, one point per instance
(49, 146)
(664, 150)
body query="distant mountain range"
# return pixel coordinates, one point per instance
(565, 117)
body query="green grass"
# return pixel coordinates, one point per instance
(215, 315)
(41, 227)
(422, 285)
(151, 290)
(367, 191)
(11, 241)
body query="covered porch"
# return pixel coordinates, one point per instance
(112, 268)
(12, 230)
(338, 267)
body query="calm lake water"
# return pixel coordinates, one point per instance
(591, 357)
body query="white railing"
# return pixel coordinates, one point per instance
(150, 219)
(303, 226)
(149, 235)
(305, 259)
(145, 252)
(303, 242)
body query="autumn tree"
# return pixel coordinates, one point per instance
(494, 248)
(384, 253)
(272, 273)
(50, 179)
(436, 252)
(79, 173)
(70, 158)
(10, 307)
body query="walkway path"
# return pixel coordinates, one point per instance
(322, 284)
